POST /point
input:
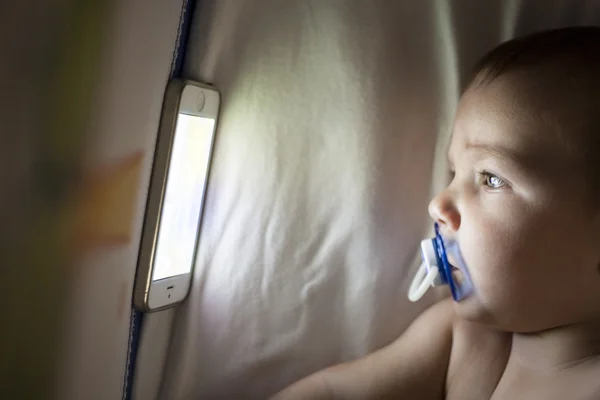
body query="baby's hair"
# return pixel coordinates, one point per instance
(567, 61)
(572, 46)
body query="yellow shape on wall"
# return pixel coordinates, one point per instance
(106, 204)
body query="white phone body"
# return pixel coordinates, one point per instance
(176, 197)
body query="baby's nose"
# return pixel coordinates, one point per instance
(443, 210)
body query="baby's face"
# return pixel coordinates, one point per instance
(519, 208)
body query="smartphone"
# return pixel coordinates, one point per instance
(176, 196)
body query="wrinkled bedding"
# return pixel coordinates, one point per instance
(335, 119)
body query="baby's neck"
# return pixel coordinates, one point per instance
(557, 349)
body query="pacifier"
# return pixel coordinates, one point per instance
(442, 264)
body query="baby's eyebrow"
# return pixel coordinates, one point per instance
(500, 152)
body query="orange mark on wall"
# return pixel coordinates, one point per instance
(106, 205)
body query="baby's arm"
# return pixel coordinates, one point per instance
(412, 367)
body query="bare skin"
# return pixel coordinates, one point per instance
(519, 206)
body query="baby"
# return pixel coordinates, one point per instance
(524, 207)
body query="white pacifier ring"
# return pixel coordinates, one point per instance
(421, 282)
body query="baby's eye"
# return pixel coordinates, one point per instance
(492, 181)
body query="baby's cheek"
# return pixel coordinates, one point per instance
(492, 263)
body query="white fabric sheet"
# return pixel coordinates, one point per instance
(334, 123)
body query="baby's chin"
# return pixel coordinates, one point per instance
(473, 310)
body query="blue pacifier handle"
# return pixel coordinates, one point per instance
(446, 268)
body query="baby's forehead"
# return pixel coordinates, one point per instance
(546, 82)
(507, 111)
(521, 117)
